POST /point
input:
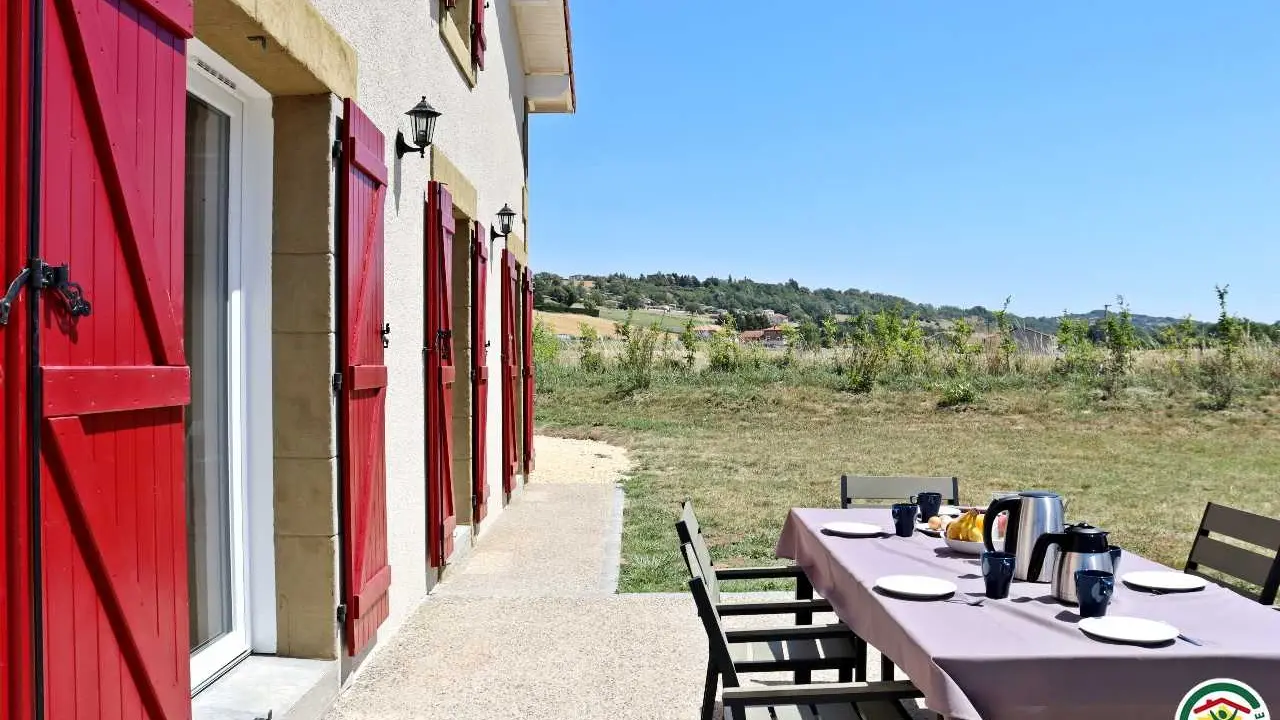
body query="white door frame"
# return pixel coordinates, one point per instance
(218, 83)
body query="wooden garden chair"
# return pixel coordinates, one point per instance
(887, 490)
(883, 491)
(814, 647)
(804, 606)
(1261, 569)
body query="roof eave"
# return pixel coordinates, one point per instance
(546, 42)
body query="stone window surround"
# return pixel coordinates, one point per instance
(455, 31)
(465, 214)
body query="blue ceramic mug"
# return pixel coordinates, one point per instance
(904, 519)
(1093, 590)
(930, 503)
(997, 571)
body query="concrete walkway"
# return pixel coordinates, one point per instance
(528, 626)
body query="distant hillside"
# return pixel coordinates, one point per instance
(756, 304)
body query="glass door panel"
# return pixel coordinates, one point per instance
(209, 521)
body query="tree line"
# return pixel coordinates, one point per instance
(752, 305)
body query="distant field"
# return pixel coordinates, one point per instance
(673, 321)
(569, 323)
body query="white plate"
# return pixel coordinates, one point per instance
(853, 529)
(965, 547)
(1129, 629)
(951, 510)
(1166, 580)
(916, 586)
(924, 528)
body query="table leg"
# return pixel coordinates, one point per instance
(804, 591)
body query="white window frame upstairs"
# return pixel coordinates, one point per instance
(218, 83)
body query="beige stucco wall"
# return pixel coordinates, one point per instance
(479, 132)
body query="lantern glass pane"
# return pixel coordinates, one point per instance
(426, 129)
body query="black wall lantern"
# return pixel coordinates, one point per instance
(422, 117)
(506, 217)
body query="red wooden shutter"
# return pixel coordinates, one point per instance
(511, 371)
(441, 518)
(16, 674)
(362, 416)
(527, 301)
(478, 42)
(479, 372)
(113, 527)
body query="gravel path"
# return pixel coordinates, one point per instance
(528, 626)
(564, 461)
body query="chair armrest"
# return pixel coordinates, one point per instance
(774, 607)
(757, 573)
(820, 693)
(789, 632)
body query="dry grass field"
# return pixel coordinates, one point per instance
(569, 323)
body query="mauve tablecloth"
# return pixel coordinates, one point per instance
(1024, 657)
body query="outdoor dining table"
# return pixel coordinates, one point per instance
(1023, 657)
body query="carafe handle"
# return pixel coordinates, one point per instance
(1041, 549)
(1013, 505)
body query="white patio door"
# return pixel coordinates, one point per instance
(224, 140)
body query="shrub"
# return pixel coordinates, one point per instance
(724, 354)
(962, 351)
(859, 368)
(1220, 374)
(1002, 361)
(957, 393)
(690, 342)
(1120, 339)
(546, 347)
(639, 349)
(1079, 355)
(590, 359)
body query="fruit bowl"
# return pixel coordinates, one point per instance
(965, 547)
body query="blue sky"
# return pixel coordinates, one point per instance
(949, 152)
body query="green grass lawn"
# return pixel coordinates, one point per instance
(746, 450)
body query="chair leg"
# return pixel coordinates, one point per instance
(886, 668)
(709, 692)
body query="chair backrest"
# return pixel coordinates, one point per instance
(1260, 569)
(717, 643)
(690, 533)
(895, 489)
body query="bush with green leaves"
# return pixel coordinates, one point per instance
(690, 341)
(590, 357)
(1120, 339)
(640, 346)
(1220, 372)
(546, 346)
(962, 352)
(724, 354)
(957, 393)
(1002, 361)
(1079, 356)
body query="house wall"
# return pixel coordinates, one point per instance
(480, 133)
